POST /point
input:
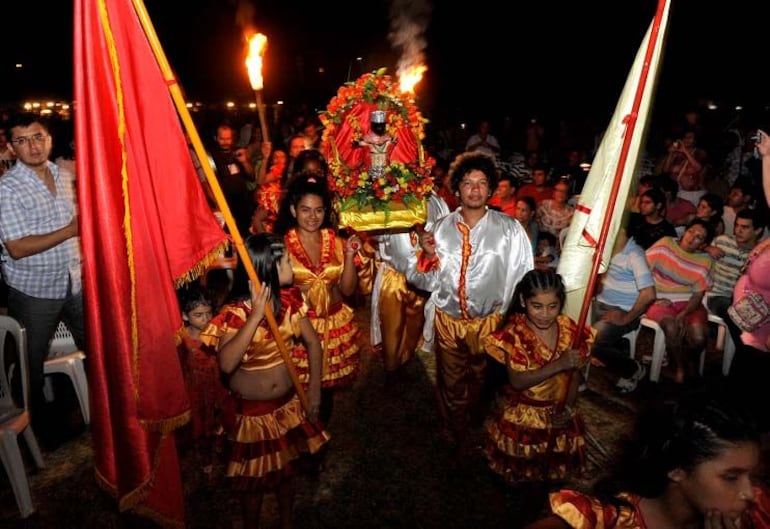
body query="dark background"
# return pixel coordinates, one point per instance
(485, 57)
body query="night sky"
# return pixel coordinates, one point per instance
(538, 58)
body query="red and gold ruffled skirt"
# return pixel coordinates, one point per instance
(340, 341)
(266, 438)
(522, 445)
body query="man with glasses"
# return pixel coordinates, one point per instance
(41, 255)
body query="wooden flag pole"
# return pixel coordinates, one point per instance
(184, 114)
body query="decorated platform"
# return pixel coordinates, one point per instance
(372, 140)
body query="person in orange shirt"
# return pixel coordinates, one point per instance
(537, 189)
(504, 197)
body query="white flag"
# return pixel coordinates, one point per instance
(593, 205)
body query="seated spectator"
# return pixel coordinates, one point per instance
(682, 274)
(572, 171)
(709, 208)
(689, 464)
(740, 197)
(627, 290)
(649, 225)
(645, 182)
(538, 188)
(483, 141)
(730, 253)
(676, 207)
(547, 253)
(555, 214)
(685, 164)
(504, 197)
(525, 214)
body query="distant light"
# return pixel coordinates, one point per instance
(712, 106)
(19, 65)
(739, 107)
(321, 69)
(46, 111)
(252, 105)
(462, 126)
(359, 59)
(50, 104)
(585, 166)
(230, 104)
(189, 105)
(35, 104)
(65, 106)
(279, 102)
(27, 106)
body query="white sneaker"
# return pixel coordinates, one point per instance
(627, 385)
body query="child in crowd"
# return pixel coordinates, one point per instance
(535, 432)
(200, 368)
(547, 255)
(267, 427)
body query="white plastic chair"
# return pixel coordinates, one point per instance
(64, 357)
(724, 340)
(14, 417)
(724, 343)
(630, 336)
(659, 349)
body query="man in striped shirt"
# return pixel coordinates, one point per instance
(730, 253)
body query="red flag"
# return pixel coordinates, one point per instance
(145, 226)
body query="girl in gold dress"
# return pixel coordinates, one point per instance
(536, 433)
(325, 272)
(268, 429)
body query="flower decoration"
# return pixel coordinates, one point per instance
(407, 176)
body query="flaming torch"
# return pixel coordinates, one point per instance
(410, 76)
(257, 45)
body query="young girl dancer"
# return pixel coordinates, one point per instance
(691, 465)
(268, 429)
(535, 433)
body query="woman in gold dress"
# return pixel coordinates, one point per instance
(325, 272)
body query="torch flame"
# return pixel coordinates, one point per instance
(257, 45)
(410, 76)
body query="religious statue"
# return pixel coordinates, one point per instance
(379, 141)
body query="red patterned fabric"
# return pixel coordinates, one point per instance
(144, 224)
(205, 387)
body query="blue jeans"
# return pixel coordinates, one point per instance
(40, 317)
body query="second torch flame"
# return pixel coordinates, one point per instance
(257, 45)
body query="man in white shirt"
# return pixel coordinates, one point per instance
(471, 263)
(401, 319)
